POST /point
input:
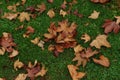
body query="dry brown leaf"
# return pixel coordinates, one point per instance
(14, 53)
(36, 40)
(78, 48)
(41, 44)
(86, 37)
(10, 16)
(30, 65)
(63, 13)
(50, 1)
(51, 13)
(100, 1)
(21, 76)
(80, 60)
(41, 8)
(74, 74)
(2, 79)
(23, 2)
(42, 72)
(94, 15)
(2, 51)
(101, 40)
(87, 53)
(18, 64)
(118, 19)
(7, 42)
(104, 61)
(24, 16)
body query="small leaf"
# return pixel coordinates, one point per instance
(21, 76)
(51, 13)
(94, 15)
(18, 64)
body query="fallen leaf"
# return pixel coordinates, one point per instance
(10, 16)
(51, 13)
(7, 42)
(23, 2)
(42, 72)
(76, 13)
(87, 53)
(21, 76)
(29, 30)
(41, 44)
(2, 79)
(2, 51)
(63, 5)
(78, 48)
(50, 1)
(14, 53)
(41, 8)
(36, 40)
(118, 19)
(101, 40)
(110, 26)
(86, 37)
(94, 15)
(18, 64)
(104, 61)
(31, 9)
(24, 16)
(100, 1)
(20, 27)
(63, 13)
(74, 74)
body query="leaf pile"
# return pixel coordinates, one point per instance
(63, 35)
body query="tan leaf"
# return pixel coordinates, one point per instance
(63, 13)
(30, 65)
(21, 76)
(18, 64)
(23, 2)
(12, 8)
(94, 15)
(78, 48)
(14, 53)
(41, 8)
(42, 72)
(2, 51)
(104, 61)
(24, 16)
(118, 19)
(101, 40)
(2, 79)
(41, 44)
(80, 60)
(36, 40)
(74, 74)
(86, 37)
(51, 13)
(10, 16)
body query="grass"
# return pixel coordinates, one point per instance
(57, 67)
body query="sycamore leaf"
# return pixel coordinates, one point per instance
(42, 72)
(51, 13)
(100, 1)
(74, 74)
(10, 16)
(94, 15)
(2, 51)
(41, 44)
(86, 37)
(36, 40)
(78, 48)
(14, 53)
(41, 8)
(80, 60)
(50, 1)
(104, 61)
(2, 79)
(110, 26)
(21, 76)
(63, 13)
(101, 40)
(118, 19)
(24, 16)
(18, 64)
(23, 2)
